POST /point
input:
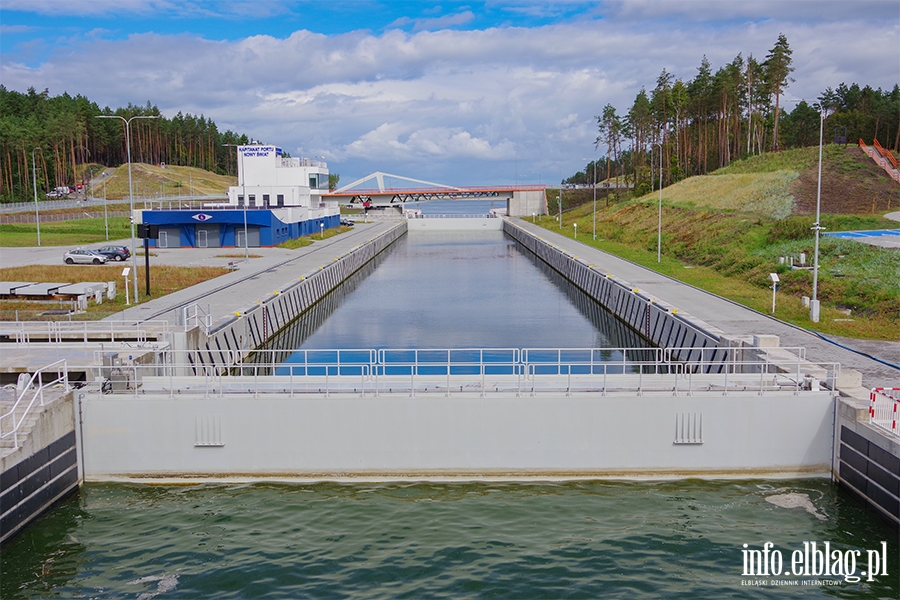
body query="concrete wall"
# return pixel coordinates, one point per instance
(315, 436)
(455, 224)
(41, 471)
(659, 322)
(867, 461)
(527, 203)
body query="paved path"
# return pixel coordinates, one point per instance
(738, 320)
(225, 295)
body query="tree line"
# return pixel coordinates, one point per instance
(705, 123)
(53, 139)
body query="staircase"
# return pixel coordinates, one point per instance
(883, 158)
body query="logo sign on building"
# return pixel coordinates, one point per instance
(251, 151)
(202, 217)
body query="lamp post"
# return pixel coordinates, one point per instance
(37, 215)
(814, 303)
(243, 181)
(659, 223)
(127, 122)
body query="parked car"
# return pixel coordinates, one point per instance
(83, 256)
(116, 253)
(348, 222)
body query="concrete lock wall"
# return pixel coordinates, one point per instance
(659, 322)
(316, 436)
(867, 462)
(41, 471)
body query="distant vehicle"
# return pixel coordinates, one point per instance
(348, 222)
(57, 194)
(83, 256)
(116, 253)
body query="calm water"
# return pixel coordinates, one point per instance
(435, 289)
(425, 540)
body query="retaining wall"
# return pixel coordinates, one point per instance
(41, 471)
(867, 461)
(659, 322)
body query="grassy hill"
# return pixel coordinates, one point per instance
(727, 231)
(154, 181)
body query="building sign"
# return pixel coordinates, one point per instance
(202, 217)
(251, 151)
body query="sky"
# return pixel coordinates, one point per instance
(459, 93)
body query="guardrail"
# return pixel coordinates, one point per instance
(33, 393)
(472, 370)
(86, 332)
(884, 409)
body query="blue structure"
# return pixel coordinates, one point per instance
(277, 198)
(224, 228)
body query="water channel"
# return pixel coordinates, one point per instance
(585, 539)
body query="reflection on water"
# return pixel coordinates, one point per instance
(456, 290)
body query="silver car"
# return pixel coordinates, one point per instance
(82, 256)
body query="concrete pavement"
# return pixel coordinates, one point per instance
(223, 296)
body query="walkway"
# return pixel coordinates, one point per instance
(225, 295)
(735, 319)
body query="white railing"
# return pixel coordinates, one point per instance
(465, 371)
(884, 409)
(33, 394)
(86, 332)
(194, 315)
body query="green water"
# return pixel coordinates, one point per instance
(587, 539)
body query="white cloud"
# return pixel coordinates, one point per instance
(447, 102)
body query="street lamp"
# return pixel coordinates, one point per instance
(130, 189)
(594, 186)
(814, 303)
(243, 181)
(37, 215)
(817, 227)
(659, 224)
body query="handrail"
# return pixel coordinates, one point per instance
(482, 370)
(884, 409)
(62, 376)
(59, 331)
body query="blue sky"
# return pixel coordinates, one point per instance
(463, 93)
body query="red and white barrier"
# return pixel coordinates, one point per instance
(884, 409)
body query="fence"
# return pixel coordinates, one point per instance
(56, 217)
(24, 332)
(32, 392)
(884, 409)
(531, 371)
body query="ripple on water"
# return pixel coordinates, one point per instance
(575, 539)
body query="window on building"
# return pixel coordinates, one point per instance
(265, 200)
(251, 198)
(280, 199)
(240, 200)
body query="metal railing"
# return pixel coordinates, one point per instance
(529, 371)
(195, 315)
(25, 332)
(33, 393)
(884, 409)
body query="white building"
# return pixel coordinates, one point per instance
(269, 180)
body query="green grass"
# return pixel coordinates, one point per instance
(64, 233)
